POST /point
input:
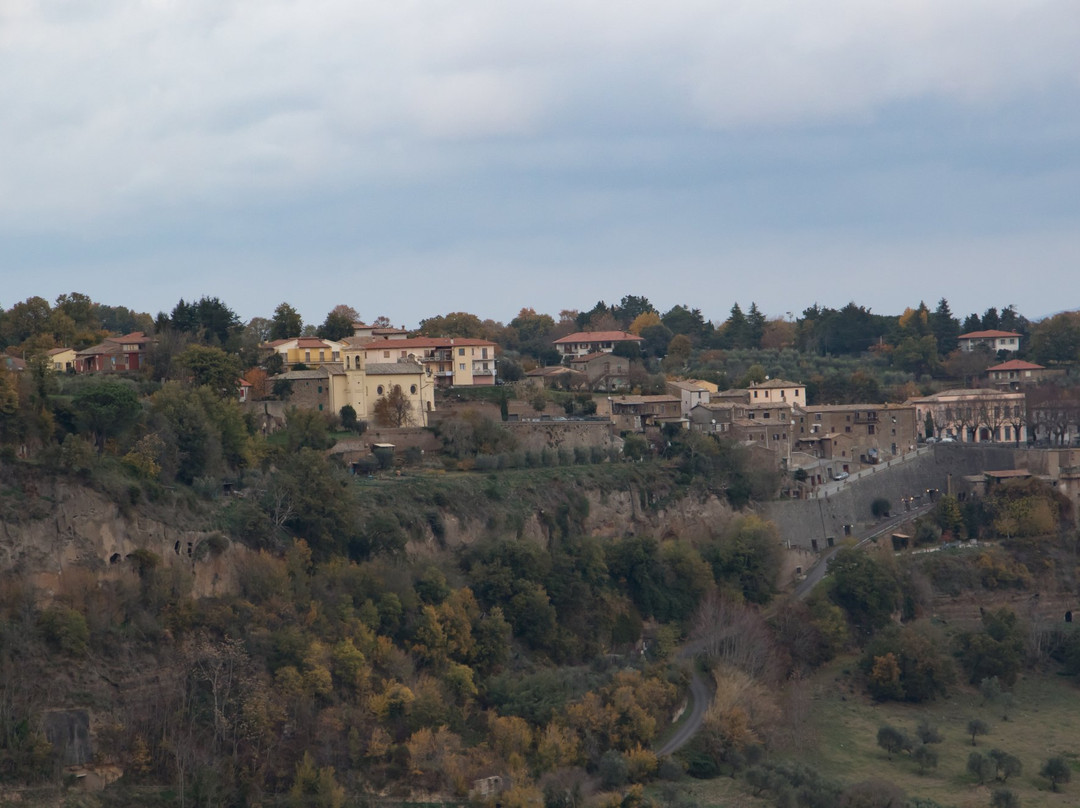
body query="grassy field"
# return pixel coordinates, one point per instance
(840, 740)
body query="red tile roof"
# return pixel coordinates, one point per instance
(988, 334)
(426, 342)
(1017, 364)
(599, 336)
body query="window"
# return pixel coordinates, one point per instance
(320, 388)
(847, 428)
(379, 389)
(461, 352)
(385, 354)
(483, 353)
(322, 355)
(870, 429)
(412, 389)
(320, 408)
(461, 366)
(307, 356)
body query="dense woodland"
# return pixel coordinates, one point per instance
(348, 668)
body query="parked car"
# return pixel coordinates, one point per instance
(843, 475)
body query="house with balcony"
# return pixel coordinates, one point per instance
(993, 341)
(309, 351)
(127, 352)
(451, 361)
(584, 343)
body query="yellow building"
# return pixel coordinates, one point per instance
(310, 351)
(62, 360)
(452, 361)
(360, 384)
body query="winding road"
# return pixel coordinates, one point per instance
(699, 699)
(700, 696)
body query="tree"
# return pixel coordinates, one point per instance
(315, 787)
(981, 767)
(864, 588)
(631, 307)
(338, 323)
(394, 409)
(1057, 771)
(926, 757)
(679, 349)
(213, 368)
(977, 726)
(286, 322)
(892, 740)
(735, 329)
(944, 327)
(1007, 765)
(107, 410)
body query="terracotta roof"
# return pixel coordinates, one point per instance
(56, 351)
(425, 342)
(107, 347)
(134, 336)
(12, 362)
(1017, 364)
(314, 342)
(987, 334)
(1009, 474)
(599, 336)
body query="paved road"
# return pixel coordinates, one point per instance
(817, 572)
(699, 696)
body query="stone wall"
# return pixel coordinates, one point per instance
(536, 435)
(801, 522)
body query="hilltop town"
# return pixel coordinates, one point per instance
(612, 557)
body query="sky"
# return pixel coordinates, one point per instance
(410, 158)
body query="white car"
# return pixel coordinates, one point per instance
(843, 475)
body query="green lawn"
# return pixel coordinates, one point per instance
(840, 740)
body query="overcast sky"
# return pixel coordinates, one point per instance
(413, 158)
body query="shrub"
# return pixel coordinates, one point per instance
(65, 629)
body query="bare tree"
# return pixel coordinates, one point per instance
(394, 409)
(735, 634)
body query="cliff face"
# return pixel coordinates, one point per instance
(610, 515)
(62, 524)
(59, 524)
